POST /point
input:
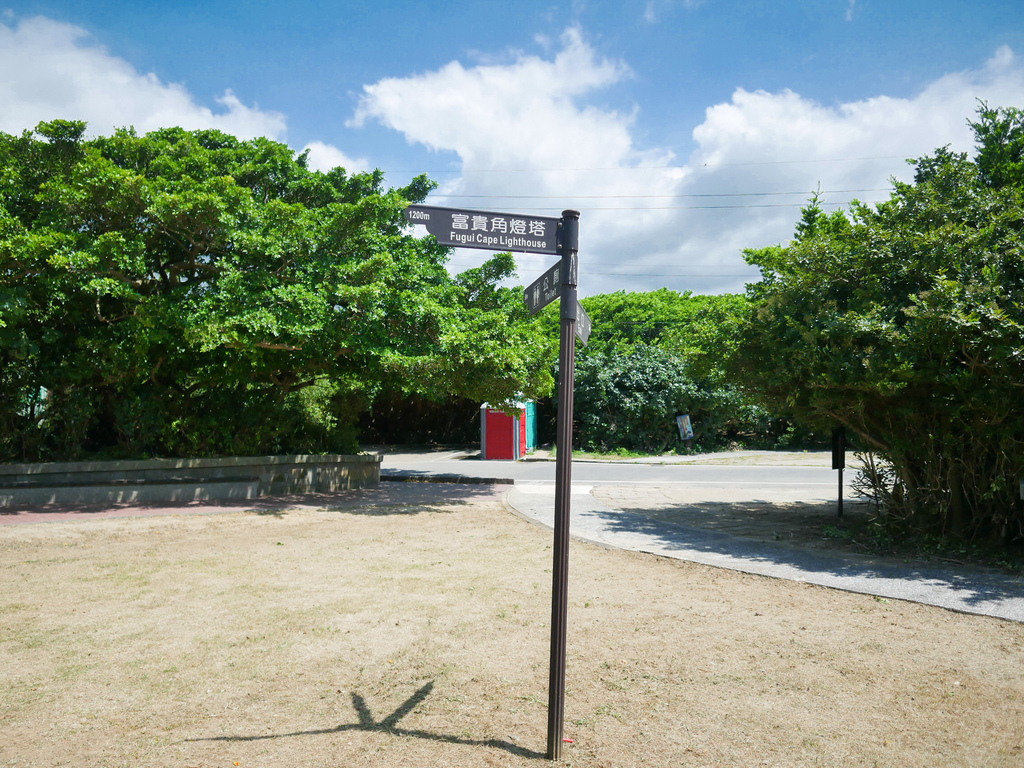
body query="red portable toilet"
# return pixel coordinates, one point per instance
(503, 436)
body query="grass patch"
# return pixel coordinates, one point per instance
(872, 537)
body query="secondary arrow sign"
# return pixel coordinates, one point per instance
(544, 289)
(583, 324)
(488, 230)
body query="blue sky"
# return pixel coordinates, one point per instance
(685, 130)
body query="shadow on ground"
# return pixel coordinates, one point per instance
(387, 498)
(389, 724)
(970, 584)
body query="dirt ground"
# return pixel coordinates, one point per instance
(418, 636)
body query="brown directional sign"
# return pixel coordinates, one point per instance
(491, 231)
(544, 289)
(548, 287)
(582, 324)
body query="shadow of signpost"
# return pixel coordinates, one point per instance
(389, 724)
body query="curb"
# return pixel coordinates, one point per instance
(446, 478)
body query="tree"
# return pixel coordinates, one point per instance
(1000, 142)
(652, 356)
(904, 323)
(630, 400)
(188, 293)
(701, 329)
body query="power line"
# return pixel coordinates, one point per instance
(657, 197)
(741, 273)
(680, 207)
(699, 166)
(686, 275)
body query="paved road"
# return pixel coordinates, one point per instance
(808, 482)
(969, 590)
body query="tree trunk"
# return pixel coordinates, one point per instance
(956, 516)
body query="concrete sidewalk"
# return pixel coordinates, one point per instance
(969, 590)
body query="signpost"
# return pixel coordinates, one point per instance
(491, 231)
(462, 228)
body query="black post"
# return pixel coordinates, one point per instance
(563, 484)
(840, 492)
(839, 459)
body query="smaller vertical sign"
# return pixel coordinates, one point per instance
(685, 427)
(838, 447)
(839, 459)
(583, 324)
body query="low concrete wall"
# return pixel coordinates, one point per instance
(244, 477)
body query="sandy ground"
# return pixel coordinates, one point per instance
(417, 635)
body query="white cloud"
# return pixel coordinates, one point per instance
(530, 137)
(531, 120)
(51, 70)
(514, 103)
(653, 8)
(524, 116)
(763, 125)
(324, 157)
(783, 142)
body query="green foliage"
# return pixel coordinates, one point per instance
(904, 323)
(653, 356)
(189, 293)
(1000, 140)
(630, 400)
(700, 329)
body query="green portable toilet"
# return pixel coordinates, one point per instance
(531, 426)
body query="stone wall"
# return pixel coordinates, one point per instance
(155, 480)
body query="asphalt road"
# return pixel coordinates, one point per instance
(770, 483)
(609, 472)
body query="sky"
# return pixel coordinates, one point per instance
(684, 131)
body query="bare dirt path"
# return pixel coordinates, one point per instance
(414, 634)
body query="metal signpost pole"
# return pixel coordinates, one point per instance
(563, 483)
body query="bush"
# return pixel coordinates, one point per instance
(631, 401)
